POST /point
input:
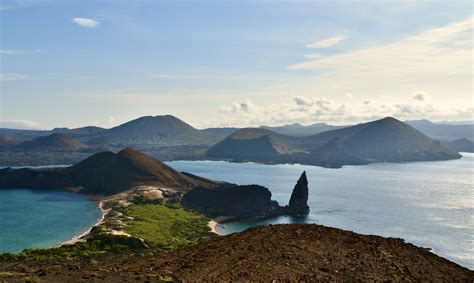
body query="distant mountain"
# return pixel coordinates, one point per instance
(57, 141)
(334, 153)
(105, 173)
(220, 131)
(158, 130)
(443, 131)
(255, 144)
(24, 134)
(298, 130)
(392, 140)
(83, 132)
(80, 134)
(382, 140)
(461, 145)
(9, 140)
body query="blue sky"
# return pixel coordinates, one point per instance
(244, 63)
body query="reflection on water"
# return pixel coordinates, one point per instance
(430, 204)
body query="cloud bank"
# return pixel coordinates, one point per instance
(19, 124)
(307, 110)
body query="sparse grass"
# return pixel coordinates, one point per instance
(163, 227)
(4, 274)
(65, 251)
(166, 227)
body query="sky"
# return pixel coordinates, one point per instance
(70, 63)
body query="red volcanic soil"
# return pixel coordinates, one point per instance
(296, 252)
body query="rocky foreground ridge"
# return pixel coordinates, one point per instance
(296, 252)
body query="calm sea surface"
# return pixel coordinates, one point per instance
(430, 204)
(42, 218)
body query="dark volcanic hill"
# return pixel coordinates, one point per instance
(83, 133)
(9, 139)
(221, 131)
(335, 152)
(392, 140)
(57, 141)
(278, 253)
(105, 173)
(255, 144)
(158, 130)
(298, 130)
(462, 145)
(383, 140)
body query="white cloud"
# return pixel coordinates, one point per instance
(16, 52)
(421, 96)
(19, 124)
(86, 22)
(302, 101)
(326, 43)
(307, 110)
(245, 106)
(13, 77)
(444, 52)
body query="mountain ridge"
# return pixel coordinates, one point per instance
(382, 140)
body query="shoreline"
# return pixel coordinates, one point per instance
(82, 237)
(219, 220)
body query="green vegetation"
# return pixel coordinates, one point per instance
(163, 227)
(114, 244)
(5, 274)
(166, 227)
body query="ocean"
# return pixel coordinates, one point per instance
(42, 218)
(429, 204)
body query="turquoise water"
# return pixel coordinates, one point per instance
(42, 218)
(430, 204)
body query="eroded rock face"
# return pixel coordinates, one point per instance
(246, 201)
(299, 197)
(232, 200)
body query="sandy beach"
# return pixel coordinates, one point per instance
(218, 220)
(83, 236)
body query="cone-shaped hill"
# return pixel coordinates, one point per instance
(387, 139)
(253, 144)
(105, 173)
(164, 130)
(392, 140)
(56, 141)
